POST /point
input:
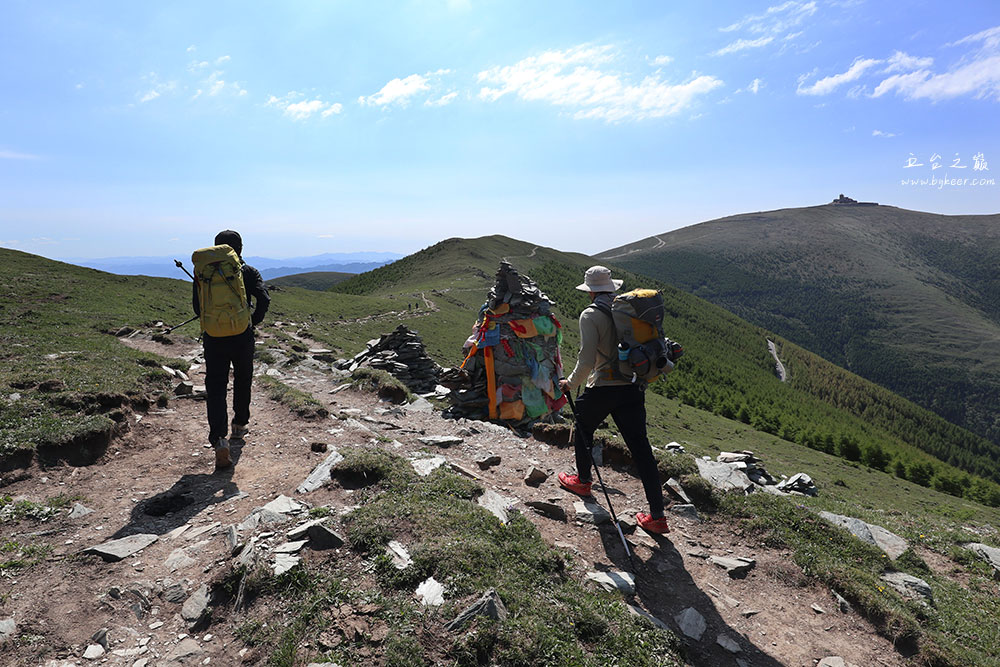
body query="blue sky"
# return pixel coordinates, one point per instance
(143, 128)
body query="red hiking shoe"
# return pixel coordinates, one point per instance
(573, 483)
(651, 525)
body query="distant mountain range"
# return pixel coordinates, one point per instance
(907, 299)
(163, 267)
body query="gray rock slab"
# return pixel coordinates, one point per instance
(855, 527)
(93, 652)
(8, 629)
(893, 545)
(284, 562)
(728, 643)
(990, 554)
(322, 537)
(232, 537)
(909, 586)
(673, 486)
(686, 512)
(285, 505)
(834, 661)
(290, 547)
(320, 475)
(79, 511)
(488, 462)
(187, 652)
(496, 504)
(399, 555)
(489, 605)
(551, 510)
(691, 623)
(201, 530)
(420, 405)
(196, 606)
(591, 512)
(614, 581)
(736, 568)
(724, 476)
(175, 593)
(300, 531)
(642, 613)
(424, 466)
(116, 550)
(440, 440)
(179, 560)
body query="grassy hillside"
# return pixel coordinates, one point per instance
(312, 280)
(903, 298)
(727, 368)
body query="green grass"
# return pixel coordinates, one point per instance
(312, 280)
(296, 400)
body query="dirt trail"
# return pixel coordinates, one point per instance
(159, 478)
(779, 368)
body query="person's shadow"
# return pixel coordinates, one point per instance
(188, 496)
(664, 589)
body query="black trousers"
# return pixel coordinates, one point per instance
(220, 354)
(627, 405)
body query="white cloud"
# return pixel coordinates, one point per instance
(577, 78)
(400, 92)
(660, 61)
(976, 73)
(743, 45)
(444, 100)
(904, 62)
(776, 19)
(880, 133)
(754, 86)
(827, 85)
(294, 106)
(222, 59)
(151, 95)
(14, 155)
(192, 48)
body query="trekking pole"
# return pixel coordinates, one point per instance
(181, 324)
(590, 445)
(181, 267)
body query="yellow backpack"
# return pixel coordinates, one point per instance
(222, 296)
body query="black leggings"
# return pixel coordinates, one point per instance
(220, 354)
(627, 405)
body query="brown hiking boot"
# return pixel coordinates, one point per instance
(222, 459)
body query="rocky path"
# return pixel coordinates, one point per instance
(149, 607)
(779, 368)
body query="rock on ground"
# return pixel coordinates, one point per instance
(116, 550)
(614, 581)
(988, 553)
(591, 512)
(691, 623)
(909, 586)
(489, 605)
(724, 476)
(320, 475)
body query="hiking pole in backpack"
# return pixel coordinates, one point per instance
(181, 267)
(181, 324)
(614, 517)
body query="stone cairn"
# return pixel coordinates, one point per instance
(402, 354)
(512, 363)
(743, 471)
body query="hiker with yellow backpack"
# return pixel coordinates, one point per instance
(223, 287)
(622, 349)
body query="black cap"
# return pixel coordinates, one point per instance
(231, 239)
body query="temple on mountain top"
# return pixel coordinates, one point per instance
(854, 202)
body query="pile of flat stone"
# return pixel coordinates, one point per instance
(743, 471)
(750, 465)
(403, 355)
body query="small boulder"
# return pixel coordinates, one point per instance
(195, 608)
(728, 643)
(736, 568)
(184, 389)
(321, 537)
(535, 476)
(913, 588)
(489, 605)
(614, 581)
(116, 550)
(591, 512)
(551, 510)
(691, 623)
(487, 462)
(440, 440)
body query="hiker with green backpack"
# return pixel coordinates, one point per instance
(622, 349)
(223, 288)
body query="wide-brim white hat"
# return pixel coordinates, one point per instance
(598, 279)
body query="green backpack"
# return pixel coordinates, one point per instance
(222, 296)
